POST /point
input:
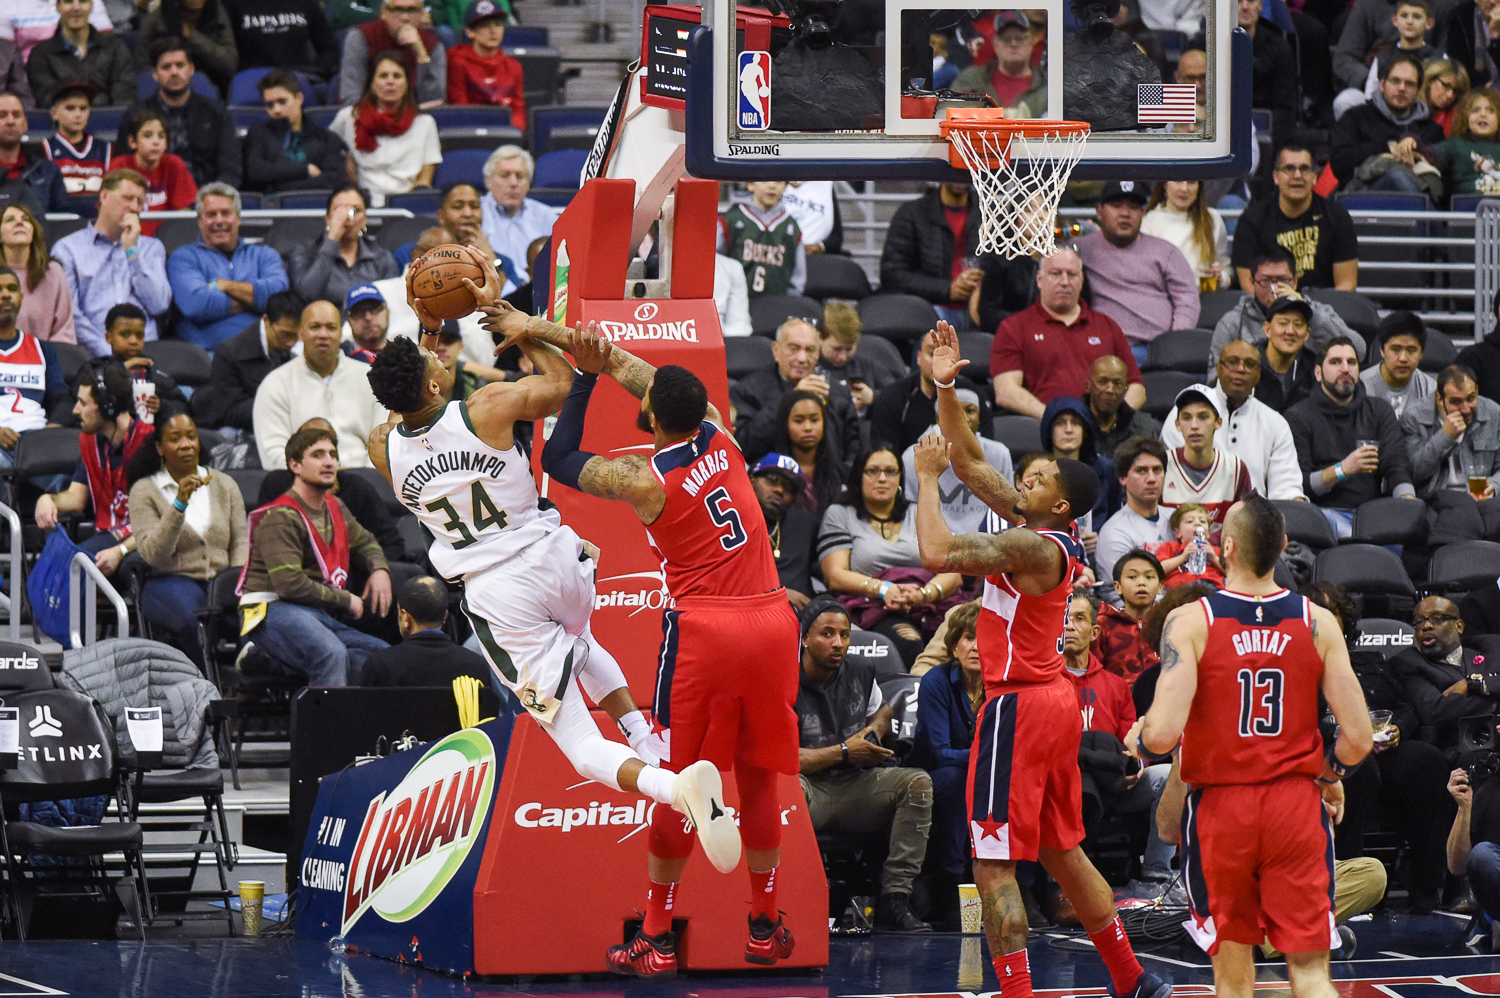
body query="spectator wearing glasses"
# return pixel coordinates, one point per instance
(1010, 79)
(398, 29)
(1318, 232)
(1441, 677)
(511, 220)
(1384, 144)
(1273, 276)
(1398, 378)
(1454, 438)
(345, 257)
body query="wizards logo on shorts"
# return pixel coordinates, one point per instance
(755, 91)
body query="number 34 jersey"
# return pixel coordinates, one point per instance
(711, 535)
(478, 503)
(1255, 715)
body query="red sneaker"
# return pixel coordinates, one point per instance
(645, 956)
(769, 941)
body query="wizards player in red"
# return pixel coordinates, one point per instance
(1025, 791)
(1241, 671)
(729, 666)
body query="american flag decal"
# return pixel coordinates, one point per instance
(1163, 103)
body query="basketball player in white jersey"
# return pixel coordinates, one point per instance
(528, 584)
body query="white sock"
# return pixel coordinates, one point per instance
(656, 784)
(635, 727)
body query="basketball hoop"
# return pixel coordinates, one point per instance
(1017, 207)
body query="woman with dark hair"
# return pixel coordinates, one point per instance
(204, 26)
(189, 526)
(392, 147)
(1407, 783)
(868, 551)
(801, 425)
(345, 257)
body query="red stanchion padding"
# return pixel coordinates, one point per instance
(629, 593)
(564, 868)
(695, 225)
(595, 227)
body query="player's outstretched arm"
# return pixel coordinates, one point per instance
(376, 449)
(1346, 698)
(1022, 551)
(1182, 639)
(967, 455)
(493, 408)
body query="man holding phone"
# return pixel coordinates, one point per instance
(1474, 842)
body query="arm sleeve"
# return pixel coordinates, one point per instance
(1349, 54)
(193, 290)
(432, 79)
(799, 270)
(56, 386)
(1122, 348)
(313, 265)
(1349, 148)
(1246, 244)
(216, 405)
(885, 415)
(1425, 451)
(1005, 350)
(182, 188)
(834, 241)
(231, 162)
(1302, 440)
(239, 526)
(1432, 707)
(1182, 290)
(16, 82)
(354, 66)
(281, 538)
(264, 166)
(1282, 480)
(148, 276)
(456, 88)
(562, 456)
(271, 419)
(898, 269)
(836, 533)
(363, 547)
(270, 275)
(1109, 549)
(215, 54)
(122, 89)
(1395, 464)
(156, 530)
(43, 80)
(324, 41)
(934, 733)
(1345, 239)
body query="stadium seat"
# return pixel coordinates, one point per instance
(187, 363)
(1467, 202)
(883, 353)
(417, 202)
(177, 232)
(1389, 520)
(879, 651)
(767, 312)
(897, 317)
(70, 357)
(56, 229)
(1306, 524)
(488, 138)
(975, 348)
(1384, 201)
(1383, 635)
(249, 480)
(397, 232)
(746, 354)
(553, 197)
(246, 118)
(1162, 388)
(1183, 350)
(244, 90)
(1464, 565)
(461, 164)
(317, 200)
(581, 123)
(145, 86)
(377, 481)
(52, 450)
(472, 116)
(324, 114)
(559, 168)
(524, 36)
(1367, 569)
(831, 275)
(288, 232)
(541, 68)
(1020, 434)
(1213, 304)
(1439, 352)
(1357, 311)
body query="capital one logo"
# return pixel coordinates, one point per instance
(44, 725)
(646, 311)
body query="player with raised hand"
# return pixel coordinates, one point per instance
(528, 582)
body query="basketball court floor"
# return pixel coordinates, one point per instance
(1399, 956)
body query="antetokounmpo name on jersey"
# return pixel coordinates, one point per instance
(441, 464)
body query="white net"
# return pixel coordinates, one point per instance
(1018, 187)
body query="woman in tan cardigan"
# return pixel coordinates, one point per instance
(189, 525)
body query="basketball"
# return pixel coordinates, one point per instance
(437, 281)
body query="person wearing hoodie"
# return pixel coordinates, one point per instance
(1067, 431)
(1382, 143)
(1349, 444)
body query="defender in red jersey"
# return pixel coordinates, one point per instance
(1025, 792)
(727, 680)
(1241, 671)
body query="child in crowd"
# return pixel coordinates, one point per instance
(1413, 20)
(82, 158)
(1187, 521)
(765, 239)
(169, 183)
(1138, 579)
(838, 363)
(479, 73)
(125, 332)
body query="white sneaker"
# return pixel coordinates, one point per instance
(698, 793)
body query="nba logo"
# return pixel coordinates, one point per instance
(755, 91)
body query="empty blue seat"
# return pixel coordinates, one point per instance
(525, 35)
(245, 92)
(559, 168)
(470, 116)
(544, 119)
(417, 202)
(461, 164)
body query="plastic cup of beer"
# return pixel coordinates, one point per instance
(1367, 443)
(970, 917)
(1478, 486)
(1380, 720)
(252, 894)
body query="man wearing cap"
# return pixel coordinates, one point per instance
(1252, 431)
(26, 176)
(479, 72)
(82, 158)
(1142, 282)
(1349, 445)
(220, 282)
(1009, 80)
(1274, 274)
(368, 320)
(1198, 472)
(794, 531)
(964, 512)
(1287, 362)
(905, 409)
(841, 717)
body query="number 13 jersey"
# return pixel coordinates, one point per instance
(479, 504)
(1254, 717)
(711, 535)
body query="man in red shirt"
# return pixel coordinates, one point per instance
(1009, 79)
(479, 73)
(1046, 349)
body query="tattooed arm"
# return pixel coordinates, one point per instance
(1342, 691)
(627, 479)
(1182, 639)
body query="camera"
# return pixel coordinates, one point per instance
(1096, 17)
(813, 21)
(1476, 748)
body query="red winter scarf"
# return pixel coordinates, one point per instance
(333, 556)
(107, 486)
(370, 123)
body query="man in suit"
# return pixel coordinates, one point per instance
(426, 656)
(243, 361)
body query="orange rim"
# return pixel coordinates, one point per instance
(979, 120)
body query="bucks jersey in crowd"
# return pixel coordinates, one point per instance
(768, 244)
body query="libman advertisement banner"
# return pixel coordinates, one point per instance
(394, 847)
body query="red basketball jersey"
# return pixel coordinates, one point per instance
(711, 535)
(1255, 716)
(1020, 636)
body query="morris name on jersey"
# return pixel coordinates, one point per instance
(440, 464)
(713, 463)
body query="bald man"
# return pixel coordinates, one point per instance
(1117, 421)
(322, 382)
(756, 396)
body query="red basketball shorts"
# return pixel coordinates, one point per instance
(1258, 861)
(1024, 790)
(727, 680)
